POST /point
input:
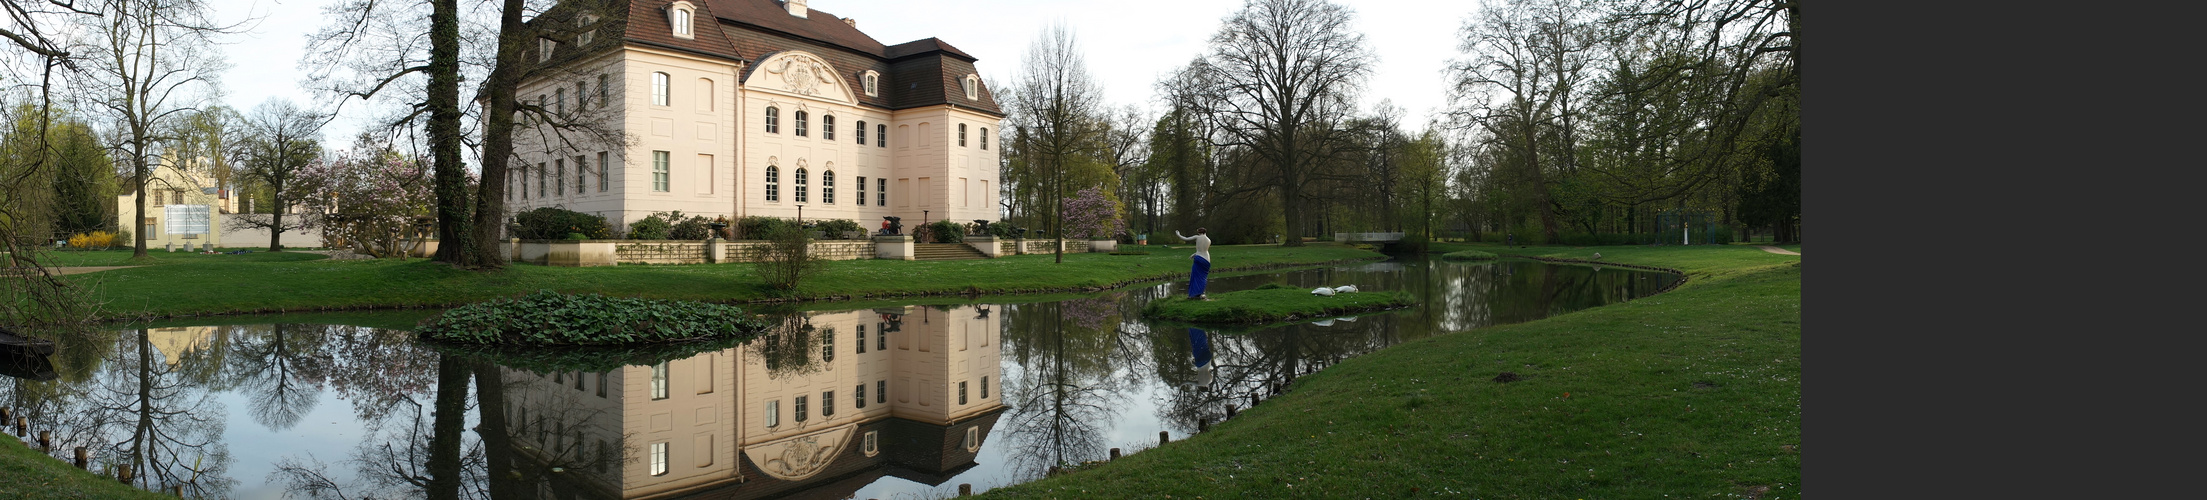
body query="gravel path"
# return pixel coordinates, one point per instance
(1776, 250)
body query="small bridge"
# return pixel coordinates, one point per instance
(1367, 237)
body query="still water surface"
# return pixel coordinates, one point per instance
(890, 402)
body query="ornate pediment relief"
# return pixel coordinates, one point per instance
(802, 73)
(802, 456)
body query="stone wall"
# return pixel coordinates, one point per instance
(693, 252)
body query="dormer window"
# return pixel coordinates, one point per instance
(544, 47)
(680, 15)
(589, 33)
(873, 83)
(972, 86)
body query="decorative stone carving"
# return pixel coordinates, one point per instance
(800, 457)
(802, 72)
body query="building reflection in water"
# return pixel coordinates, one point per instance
(826, 403)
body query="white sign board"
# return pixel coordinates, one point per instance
(186, 219)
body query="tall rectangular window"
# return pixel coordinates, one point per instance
(559, 176)
(860, 132)
(827, 348)
(601, 383)
(582, 172)
(881, 191)
(659, 459)
(659, 89)
(605, 91)
(881, 136)
(660, 171)
(604, 181)
(881, 339)
(862, 338)
(802, 122)
(798, 411)
(659, 381)
(859, 394)
(541, 181)
(559, 102)
(861, 198)
(984, 387)
(524, 181)
(961, 135)
(881, 391)
(984, 137)
(773, 413)
(827, 127)
(827, 404)
(582, 95)
(961, 392)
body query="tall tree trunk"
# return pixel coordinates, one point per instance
(496, 431)
(490, 195)
(445, 138)
(276, 225)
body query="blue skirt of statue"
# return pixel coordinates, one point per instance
(1198, 276)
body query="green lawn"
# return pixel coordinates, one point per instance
(193, 284)
(1694, 393)
(29, 474)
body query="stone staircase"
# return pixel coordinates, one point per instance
(945, 251)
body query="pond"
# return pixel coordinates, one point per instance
(900, 401)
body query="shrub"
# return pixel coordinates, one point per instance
(786, 259)
(653, 227)
(123, 237)
(551, 223)
(836, 227)
(1002, 230)
(92, 241)
(697, 227)
(759, 227)
(550, 318)
(947, 231)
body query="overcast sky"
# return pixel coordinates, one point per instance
(1129, 43)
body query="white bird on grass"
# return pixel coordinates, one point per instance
(1597, 256)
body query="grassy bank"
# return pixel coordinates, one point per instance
(1694, 393)
(1272, 304)
(193, 284)
(33, 475)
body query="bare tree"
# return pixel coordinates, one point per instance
(1281, 75)
(1056, 110)
(150, 62)
(285, 140)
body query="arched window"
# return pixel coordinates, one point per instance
(801, 185)
(873, 83)
(961, 135)
(827, 187)
(972, 85)
(680, 15)
(773, 183)
(984, 137)
(861, 132)
(827, 127)
(800, 115)
(659, 89)
(773, 120)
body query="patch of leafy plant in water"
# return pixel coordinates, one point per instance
(547, 318)
(547, 359)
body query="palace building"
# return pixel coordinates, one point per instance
(749, 107)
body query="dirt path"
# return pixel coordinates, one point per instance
(1776, 250)
(65, 271)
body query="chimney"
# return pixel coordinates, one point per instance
(850, 21)
(796, 8)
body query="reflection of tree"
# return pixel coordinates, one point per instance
(281, 367)
(410, 450)
(170, 428)
(790, 346)
(1063, 396)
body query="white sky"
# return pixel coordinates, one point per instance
(1129, 43)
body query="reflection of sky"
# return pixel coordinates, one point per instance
(328, 433)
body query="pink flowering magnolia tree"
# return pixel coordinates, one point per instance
(1089, 215)
(374, 201)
